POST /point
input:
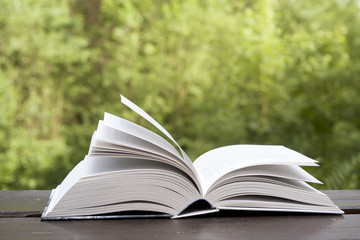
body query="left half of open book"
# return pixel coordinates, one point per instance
(128, 169)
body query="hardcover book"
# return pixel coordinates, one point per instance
(131, 171)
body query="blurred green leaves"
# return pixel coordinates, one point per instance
(212, 72)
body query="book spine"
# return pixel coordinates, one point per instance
(211, 206)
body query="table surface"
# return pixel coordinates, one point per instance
(20, 219)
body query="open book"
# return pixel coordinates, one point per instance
(131, 171)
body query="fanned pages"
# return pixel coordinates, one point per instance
(131, 171)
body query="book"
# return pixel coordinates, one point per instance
(131, 171)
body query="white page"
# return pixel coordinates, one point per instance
(196, 213)
(139, 132)
(218, 162)
(146, 116)
(75, 174)
(142, 113)
(121, 180)
(106, 133)
(283, 171)
(104, 165)
(139, 145)
(107, 166)
(319, 209)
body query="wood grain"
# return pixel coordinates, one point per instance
(20, 211)
(31, 203)
(256, 227)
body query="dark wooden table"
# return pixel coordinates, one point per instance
(20, 219)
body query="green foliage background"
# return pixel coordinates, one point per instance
(214, 72)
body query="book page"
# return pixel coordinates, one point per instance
(284, 172)
(146, 116)
(111, 184)
(214, 164)
(74, 175)
(138, 131)
(108, 141)
(138, 144)
(103, 170)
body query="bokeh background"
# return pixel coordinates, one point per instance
(213, 72)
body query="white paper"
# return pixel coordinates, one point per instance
(139, 132)
(142, 113)
(218, 162)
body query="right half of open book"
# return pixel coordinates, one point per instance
(261, 178)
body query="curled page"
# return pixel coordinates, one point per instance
(146, 116)
(220, 161)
